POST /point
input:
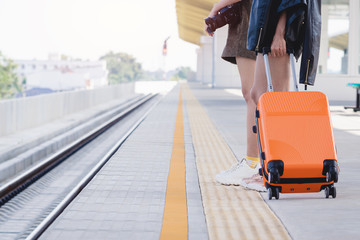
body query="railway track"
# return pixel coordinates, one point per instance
(31, 189)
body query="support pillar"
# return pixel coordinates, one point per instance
(226, 74)
(199, 66)
(353, 66)
(324, 42)
(207, 54)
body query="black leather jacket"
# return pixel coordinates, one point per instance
(303, 29)
(310, 53)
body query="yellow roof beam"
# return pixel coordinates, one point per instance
(190, 16)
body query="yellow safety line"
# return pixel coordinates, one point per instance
(175, 224)
(231, 212)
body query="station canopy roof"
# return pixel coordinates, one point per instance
(190, 17)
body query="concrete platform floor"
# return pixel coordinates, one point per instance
(128, 197)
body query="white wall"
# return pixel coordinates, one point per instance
(56, 80)
(62, 75)
(23, 113)
(335, 87)
(226, 73)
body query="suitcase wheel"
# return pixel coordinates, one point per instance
(327, 192)
(270, 194)
(277, 193)
(330, 191)
(273, 192)
(333, 191)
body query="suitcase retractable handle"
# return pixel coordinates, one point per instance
(267, 69)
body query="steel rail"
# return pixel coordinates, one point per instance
(36, 233)
(22, 181)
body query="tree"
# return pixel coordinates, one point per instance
(122, 67)
(9, 83)
(184, 73)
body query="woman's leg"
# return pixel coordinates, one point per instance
(280, 75)
(246, 167)
(246, 69)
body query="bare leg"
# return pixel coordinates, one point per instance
(246, 68)
(280, 75)
(246, 168)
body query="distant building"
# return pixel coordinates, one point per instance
(60, 75)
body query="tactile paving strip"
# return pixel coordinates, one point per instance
(231, 212)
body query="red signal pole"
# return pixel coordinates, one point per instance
(164, 53)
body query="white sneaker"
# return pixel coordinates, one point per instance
(236, 173)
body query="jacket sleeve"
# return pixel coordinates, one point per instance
(310, 54)
(295, 28)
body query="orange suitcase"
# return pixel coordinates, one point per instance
(296, 141)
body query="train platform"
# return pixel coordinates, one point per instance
(161, 183)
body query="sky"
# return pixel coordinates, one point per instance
(88, 29)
